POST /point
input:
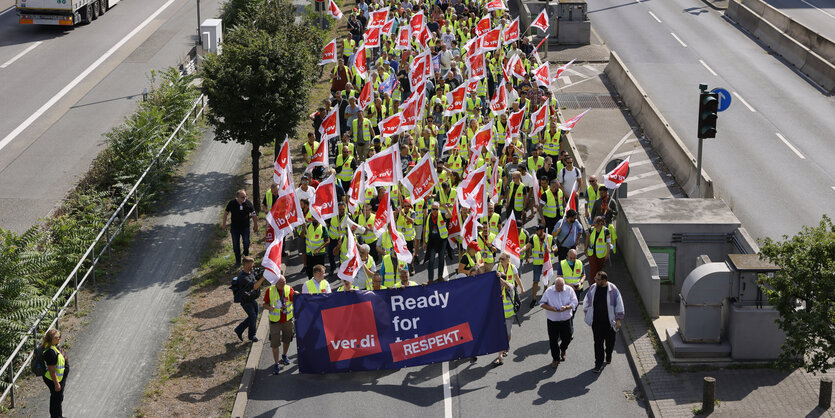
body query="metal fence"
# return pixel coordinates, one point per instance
(9, 372)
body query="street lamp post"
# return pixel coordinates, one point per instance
(199, 35)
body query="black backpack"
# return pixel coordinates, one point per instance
(37, 365)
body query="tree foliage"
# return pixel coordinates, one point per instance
(259, 87)
(803, 291)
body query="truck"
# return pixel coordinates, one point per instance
(61, 12)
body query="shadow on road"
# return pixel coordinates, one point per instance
(565, 389)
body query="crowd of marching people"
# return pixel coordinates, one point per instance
(441, 144)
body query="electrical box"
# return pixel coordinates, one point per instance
(573, 11)
(211, 31)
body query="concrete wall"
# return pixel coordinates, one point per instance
(524, 15)
(812, 53)
(664, 140)
(641, 266)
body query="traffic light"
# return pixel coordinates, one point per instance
(708, 111)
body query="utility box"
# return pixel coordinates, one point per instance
(573, 25)
(211, 32)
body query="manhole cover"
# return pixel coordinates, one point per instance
(585, 101)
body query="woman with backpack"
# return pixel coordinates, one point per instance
(57, 371)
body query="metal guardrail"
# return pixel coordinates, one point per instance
(106, 235)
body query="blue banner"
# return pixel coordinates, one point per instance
(395, 328)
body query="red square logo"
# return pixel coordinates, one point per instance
(351, 331)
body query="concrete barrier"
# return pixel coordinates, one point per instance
(524, 15)
(242, 397)
(573, 151)
(641, 267)
(664, 140)
(812, 53)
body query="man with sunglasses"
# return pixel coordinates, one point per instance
(435, 240)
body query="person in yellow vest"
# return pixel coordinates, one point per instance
(278, 302)
(470, 260)
(368, 266)
(405, 220)
(535, 161)
(335, 231)
(551, 205)
(347, 286)
(509, 284)
(366, 220)
(348, 46)
(552, 140)
(419, 206)
(309, 147)
(517, 198)
(316, 243)
(57, 370)
(435, 235)
(591, 196)
(539, 242)
(597, 245)
(318, 284)
(375, 283)
(485, 245)
(389, 268)
(428, 143)
(404, 279)
(455, 163)
(608, 209)
(363, 132)
(493, 219)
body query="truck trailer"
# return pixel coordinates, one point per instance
(61, 12)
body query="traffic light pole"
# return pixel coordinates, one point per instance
(708, 111)
(699, 167)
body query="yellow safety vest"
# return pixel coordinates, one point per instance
(59, 367)
(348, 46)
(367, 130)
(390, 272)
(507, 304)
(408, 229)
(286, 308)
(310, 150)
(342, 288)
(552, 143)
(592, 195)
(538, 249)
(553, 206)
(518, 197)
(345, 172)
(313, 289)
(441, 228)
(486, 252)
(269, 198)
(500, 131)
(335, 230)
(535, 164)
(597, 243)
(315, 238)
(368, 224)
(571, 276)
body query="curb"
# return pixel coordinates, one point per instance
(241, 399)
(633, 358)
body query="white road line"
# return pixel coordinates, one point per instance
(611, 153)
(6, 11)
(833, 187)
(565, 79)
(578, 82)
(788, 144)
(655, 17)
(591, 68)
(708, 68)
(637, 163)
(819, 9)
(625, 154)
(447, 390)
(679, 40)
(22, 53)
(647, 189)
(575, 72)
(744, 102)
(631, 140)
(58, 96)
(643, 175)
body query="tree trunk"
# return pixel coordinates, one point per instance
(256, 187)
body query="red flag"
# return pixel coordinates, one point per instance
(387, 27)
(470, 230)
(390, 125)
(412, 111)
(476, 67)
(351, 266)
(286, 212)
(572, 200)
(514, 123)
(378, 18)
(472, 85)
(613, 179)
(511, 32)
(320, 157)
(366, 96)
(508, 240)
(329, 53)
(416, 23)
(490, 41)
(454, 224)
(541, 21)
(454, 134)
(542, 75)
(403, 38)
(372, 37)
(482, 138)
(381, 219)
(498, 104)
(324, 201)
(423, 37)
(479, 202)
(356, 191)
(333, 10)
(539, 44)
(562, 68)
(495, 5)
(330, 125)
(473, 160)
(272, 259)
(483, 25)
(468, 188)
(383, 169)
(398, 241)
(473, 46)
(360, 62)
(547, 265)
(569, 124)
(417, 71)
(455, 98)
(421, 179)
(538, 119)
(516, 68)
(494, 183)
(282, 162)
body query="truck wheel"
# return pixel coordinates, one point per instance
(96, 10)
(102, 7)
(87, 14)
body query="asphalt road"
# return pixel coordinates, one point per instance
(818, 15)
(70, 87)
(772, 159)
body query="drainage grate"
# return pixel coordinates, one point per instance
(585, 101)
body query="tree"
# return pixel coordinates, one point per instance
(259, 87)
(803, 291)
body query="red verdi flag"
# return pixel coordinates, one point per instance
(495, 5)
(470, 232)
(272, 259)
(372, 37)
(378, 18)
(282, 162)
(351, 266)
(421, 179)
(616, 177)
(330, 125)
(541, 21)
(356, 190)
(498, 104)
(508, 240)
(403, 38)
(542, 75)
(516, 67)
(490, 40)
(387, 27)
(398, 241)
(286, 212)
(468, 186)
(416, 23)
(320, 156)
(569, 124)
(483, 25)
(361, 63)
(455, 98)
(547, 265)
(412, 111)
(454, 134)
(366, 96)
(475, 64)
(333, 10)
(514, 123)
(381, 219)
(511, 32)
(538, 119)
(454, 224)
(482, 137)
(325, 202)
(562, 68)
(390, 125)
(383, 169)
(329, 53)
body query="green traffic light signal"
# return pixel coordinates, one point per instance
(708, 113)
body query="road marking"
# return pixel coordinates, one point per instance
(788, 144)
(833, 187)
(592, 69)
(611, 153)
(447, 390)
(708, 68)
(679, 40)
(643, 176)
(819, 9)
(655, 17)
(565, 79)
(577, 82)
(744, 102)
(22, 53)
(58, 96)
(6, 11)
(635, 164)
(626, 154)
(575, 72)
(647, 189)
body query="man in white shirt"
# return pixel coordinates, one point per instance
(559, 301)
(304, 191)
